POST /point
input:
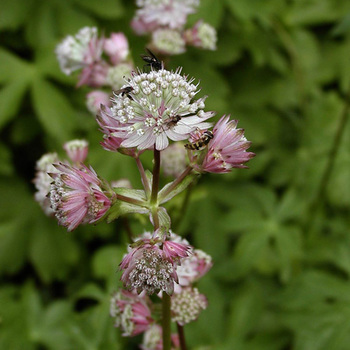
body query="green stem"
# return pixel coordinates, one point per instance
(144, 179)
(181, 333)
(183, 208)
(128, 229)
(156, 171)
(132, 200)
(177, 181)
(166, 321)
(155, 188)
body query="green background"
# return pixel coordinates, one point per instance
(278, 232)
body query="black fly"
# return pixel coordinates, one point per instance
(125, 91)
(151, 60)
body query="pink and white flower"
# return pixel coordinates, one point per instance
(226, 150)
(116, 47)
(163, 13)
(193, 268)
(77, 150)
(77, 196)
(79, 51)
(131, 312)
(160, 106)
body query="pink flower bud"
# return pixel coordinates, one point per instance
(116, 47)
(202, 35)
(94, 99)
(77, 150)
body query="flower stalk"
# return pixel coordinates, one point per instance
(166, 319)
(181, 333)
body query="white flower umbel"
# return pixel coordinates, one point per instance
(187, 305)
(74, 51)
(160, 106)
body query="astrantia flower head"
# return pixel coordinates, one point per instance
(77, 150)
(160, 106)
(76, 52)
(202, 35)
(226, 150)
(187, 305)
(164, 13)
(77, 196)
(168, 41)
(151, 264)
(42, 180)
(131, 312)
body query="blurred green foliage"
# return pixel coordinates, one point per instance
(278, 232)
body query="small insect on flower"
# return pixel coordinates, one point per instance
(151, 60)
(201, 142)
(125, 92)
(172, 121)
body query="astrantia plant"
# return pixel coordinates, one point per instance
(153, 110)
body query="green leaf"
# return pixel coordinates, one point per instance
(10, 100)
(111, 9)
(13, 13)
(53, 110)
(163, 196)
(106, 261)
(52, 251)
(120, 207)
(13, 68)
(164, 218)
(6, 167)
